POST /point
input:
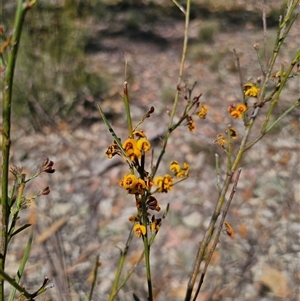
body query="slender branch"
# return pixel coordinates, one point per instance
(216, 238)
(7, 103)
(283, 80)
(115, 289)
(95, 273)
(22, 267)
(171, 126)
(290, 109)
(184, 49)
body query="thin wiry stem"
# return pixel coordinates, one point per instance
(217, 236)
(182, 64)
(22, 8)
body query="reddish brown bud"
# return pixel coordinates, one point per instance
(47, 166)
(45, 191)
(149, 112)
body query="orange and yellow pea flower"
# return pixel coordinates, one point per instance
(133, 148)
(251, 90)
(174, 167)
(133, 185)
(129, 181)
(143, 144)
(140, 187)
(236, 114)
(203, 111)
(139, 230)
(241, 108)
(164, 183)
(155, 225)
(220, 140)
(180, 172)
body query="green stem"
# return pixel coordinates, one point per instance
(110, 129)
(115, 288)
(283, 81)
(207, 237)
(7, 100)
(147, 252)
(184, 50)
(171, 126)
(95, 273)
(13, 282)
(216, 237)
(290, 109)
(22, 267)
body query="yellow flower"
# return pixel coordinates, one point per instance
(181, 172)
(139, 230)
(174, 167)
(139, 134)
(236, 114)
(143, 144)
(131, 150)
(155, 225)
(139, 187)
(203, 111)
(186, 169)
(241, 108)
(164, 183)
(130, 143)
(220, 140)
(129, 182)
(251, 90)
(133, 185)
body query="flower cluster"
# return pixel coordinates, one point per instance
(133, 185)
(164, 183)
(134, 147)
(201, 114)
(139, 230)
(180, 171)
(138, 181)
(237, 111)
